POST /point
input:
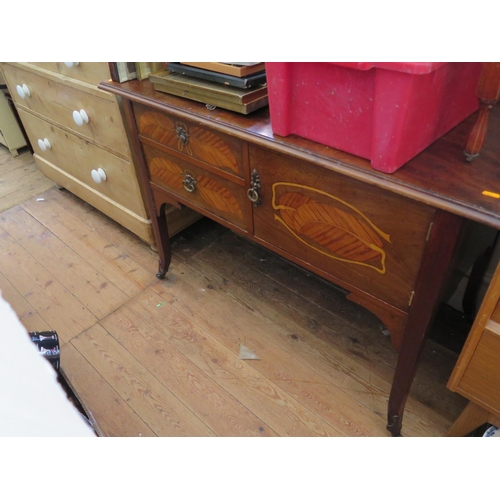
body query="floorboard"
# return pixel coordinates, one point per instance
(149, 357)
(139, 328)
(20, 178)
(109, 413)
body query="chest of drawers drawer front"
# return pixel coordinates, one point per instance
(365, 237)
(79, 158)
(481, 380)
(198, 187)
(89, 72)
(193, 141)
(58, 102)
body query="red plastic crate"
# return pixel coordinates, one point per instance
(384, 112)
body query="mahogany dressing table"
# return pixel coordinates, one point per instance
(389, 239)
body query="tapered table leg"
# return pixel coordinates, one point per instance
(160, 230)
(155, 209)
(432, 278)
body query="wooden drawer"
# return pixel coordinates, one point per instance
(128, 219)
(56, 101)
(194, 142)
(78, 158)
(89, 72)
(215, 195)
(481, 380)
(363, 236)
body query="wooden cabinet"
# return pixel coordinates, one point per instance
(477, 373)
(79, 141)
(388, 240)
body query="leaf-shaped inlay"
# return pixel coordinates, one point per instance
(218, 196)
(158, 127)
(333, 228)
(211, 148)
(201, 143)
(167, 172)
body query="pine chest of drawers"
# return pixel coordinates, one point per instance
(78, 137)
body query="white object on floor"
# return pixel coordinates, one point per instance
(246, 353)
(32, 402)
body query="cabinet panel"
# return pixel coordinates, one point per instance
(56, 101)
(121, 183)
(360, 234)
(191, 140)
(199, 187)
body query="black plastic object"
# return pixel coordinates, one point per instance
(48, 346)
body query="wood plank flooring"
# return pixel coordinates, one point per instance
(20, 179)
(151, 357)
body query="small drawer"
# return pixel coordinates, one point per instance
(199, 188)
(195, 142)
(481, 380)
(83, 160)
(95, 117)
(89, 72)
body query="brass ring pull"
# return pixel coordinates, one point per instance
(189, 183)
(182, 134)
(254, 192)
(253, 195)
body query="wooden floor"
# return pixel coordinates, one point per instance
(19, 178)
(151, 357)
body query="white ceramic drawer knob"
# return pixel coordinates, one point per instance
(23, 91)
(80, 117)
(44, 144)
(98, 175)
(71, 65)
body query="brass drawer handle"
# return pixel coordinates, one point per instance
(183, 138)
(189, 183)
(182, 135)
(253, 195)
(254, 192)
